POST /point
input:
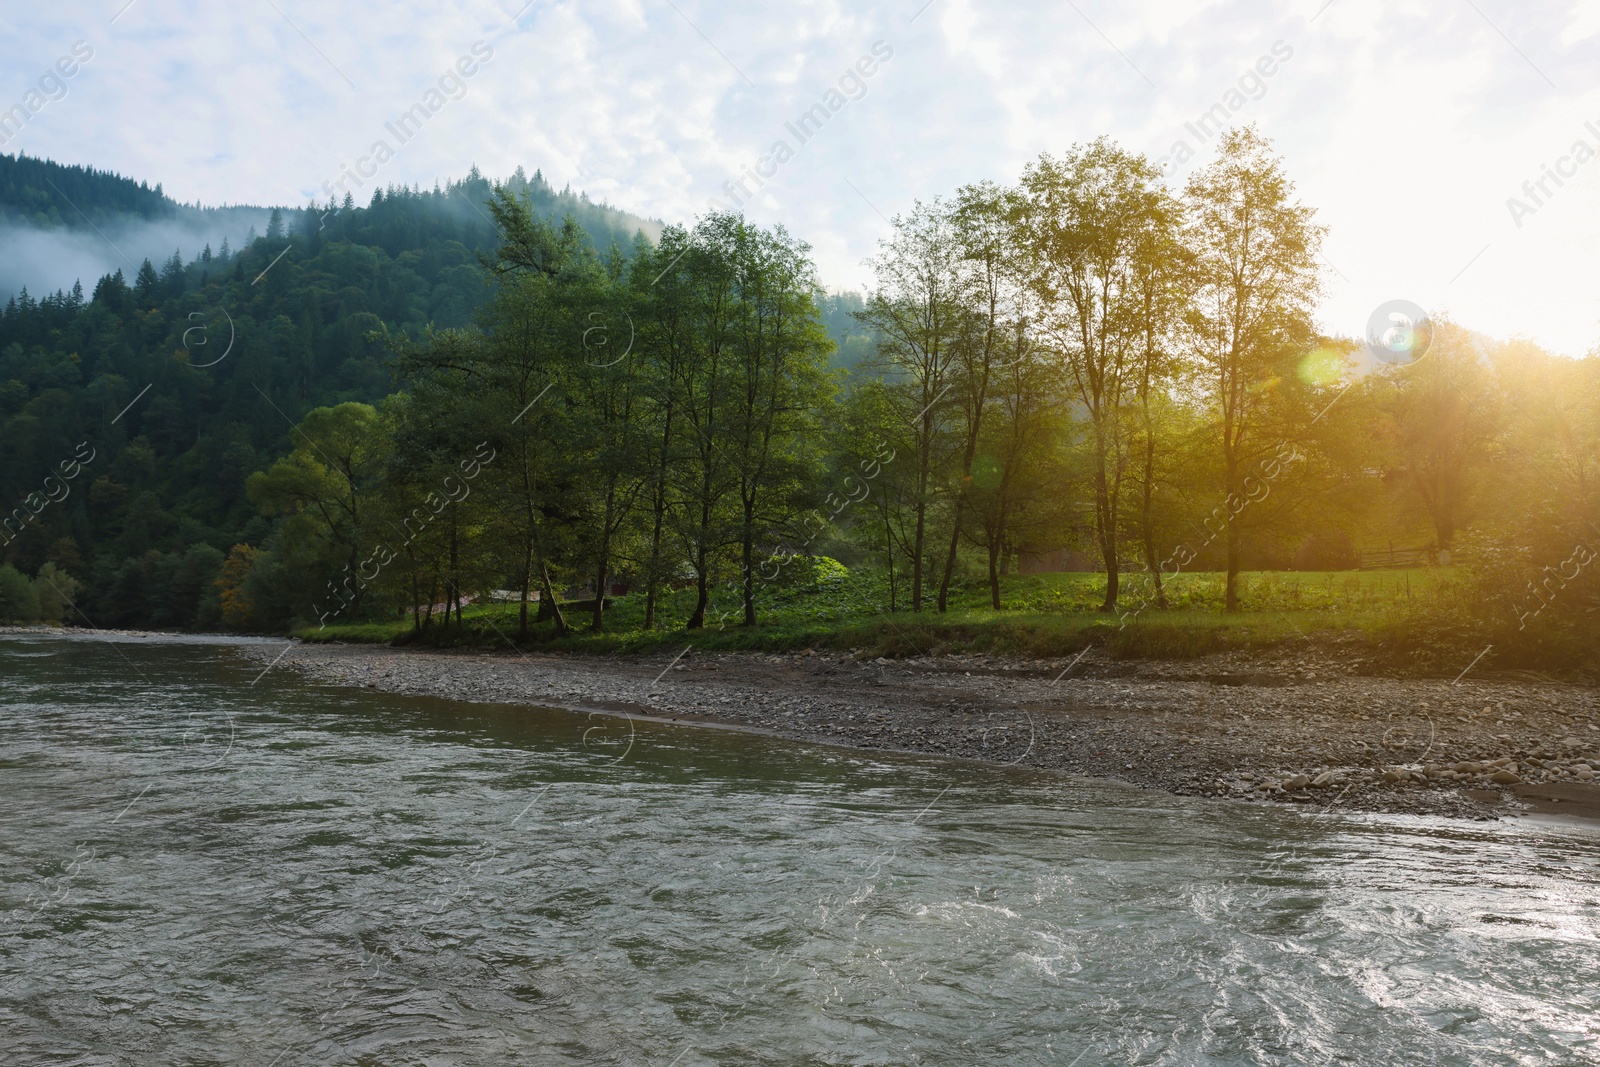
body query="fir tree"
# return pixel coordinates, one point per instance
(146, 285)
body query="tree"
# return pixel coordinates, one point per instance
(612, 436)
(706, 292)
(18, 601)
(1087, 221)
(662, 326)
(238, 611)
(54, 589)
(525, 372)
(323, 488)
(868, 443)
(1015, 478)
(990, 333)
(1444, 409)
(1256, 282)
(146, 286)
(779, 391)
(917, 309)
(1162, 272)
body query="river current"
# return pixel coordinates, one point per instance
(200, 864)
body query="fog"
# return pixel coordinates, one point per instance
(44, 260)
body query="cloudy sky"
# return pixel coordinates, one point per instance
(1408, 125)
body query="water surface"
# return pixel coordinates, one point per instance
(198, 870)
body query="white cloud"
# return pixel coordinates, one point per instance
(1407, 124)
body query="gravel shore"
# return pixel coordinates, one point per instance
(1287, 728)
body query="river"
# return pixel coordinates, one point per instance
(206, 865)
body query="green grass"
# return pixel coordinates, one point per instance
(1047, 615)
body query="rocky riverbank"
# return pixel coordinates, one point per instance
(1294, 728)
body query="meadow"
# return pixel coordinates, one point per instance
(1043, 616)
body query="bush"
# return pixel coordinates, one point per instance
(55, 590)
(18, 601)
(1525, 612)
(812, 574)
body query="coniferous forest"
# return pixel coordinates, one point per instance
(498, 393)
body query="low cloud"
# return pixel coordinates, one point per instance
(44, 260)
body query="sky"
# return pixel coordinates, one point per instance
(1420, 131)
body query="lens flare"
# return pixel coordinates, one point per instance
(1321, 367)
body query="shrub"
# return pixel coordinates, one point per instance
(54, 589)
(18, 601)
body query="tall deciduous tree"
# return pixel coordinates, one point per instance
(1086, 222)
(989, 334)
(324, 487)
(918, 309)
(706, 285)
(1257, 279)
(779, 392)
(1445, 413)
(1162, 272)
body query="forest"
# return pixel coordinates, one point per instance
(495, 394)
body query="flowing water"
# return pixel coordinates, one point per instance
(195, 869)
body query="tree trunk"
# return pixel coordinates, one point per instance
(888, 541)
(1230, 599)
(1444, 531)
(1151, 562)
(994, 574)
(603, 561)
(527, 585)
(919, 539)
(950, 558)
(1106, 520)
(547, 595)
(455, 569)
(658, 507)
(702, 584)
(598, 622)
(974, 429)
(916, 562)
(749, 563)
(653, 572)
(999, 560)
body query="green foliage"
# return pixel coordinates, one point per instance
(54, 589)
(812, 574)
(18, 601)
(233, 358)
(38, 192)
(388, 415)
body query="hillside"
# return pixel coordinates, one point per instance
(181, 375)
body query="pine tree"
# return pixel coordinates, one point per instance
(172, 274)
(146, 285)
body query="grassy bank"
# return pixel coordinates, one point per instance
(1048, 615)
